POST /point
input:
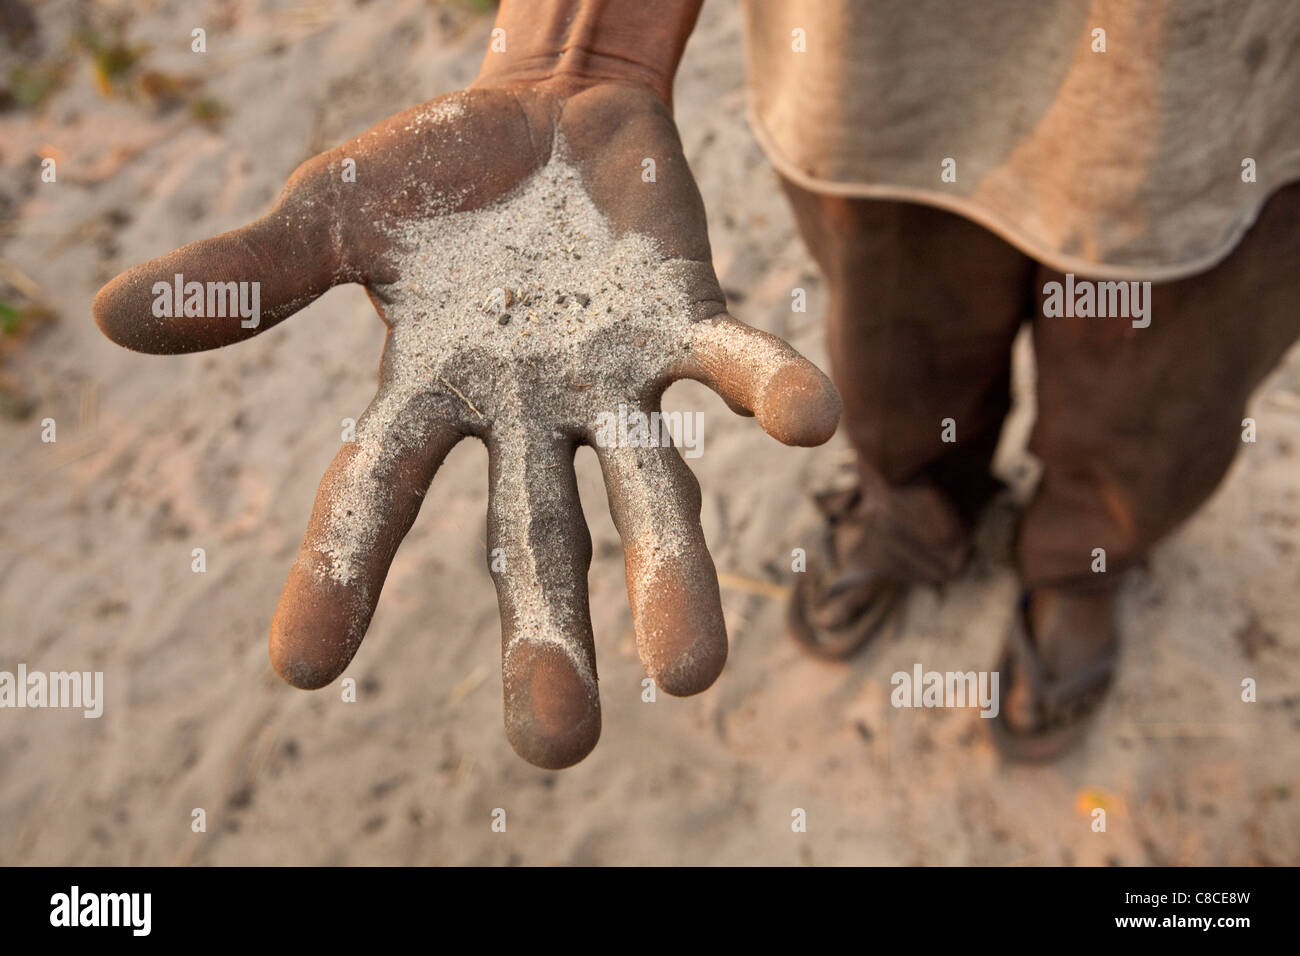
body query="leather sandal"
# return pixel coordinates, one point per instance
(1051, 712)
(856, 578)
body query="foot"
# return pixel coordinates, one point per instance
(1057, 667)
(864, 560)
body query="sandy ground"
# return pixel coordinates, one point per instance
(157, 456)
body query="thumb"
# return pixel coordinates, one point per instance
(231, 287)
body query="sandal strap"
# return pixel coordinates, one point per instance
(881, 553)
(1056, 698)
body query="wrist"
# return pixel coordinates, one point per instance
(574, 44)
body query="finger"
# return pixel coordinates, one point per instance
(752, 370)
(231, 287)
(539, 552)
(671, 582)
(367, 502)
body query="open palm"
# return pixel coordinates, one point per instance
(536, 285)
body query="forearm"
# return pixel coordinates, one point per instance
(579, 42)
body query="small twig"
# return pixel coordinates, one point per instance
(741, 582)
(20, 280)
(462, 396)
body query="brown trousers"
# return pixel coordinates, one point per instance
(1136, 426)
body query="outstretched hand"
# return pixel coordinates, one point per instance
(534, 283)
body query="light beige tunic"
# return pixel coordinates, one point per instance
(1128, 163)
